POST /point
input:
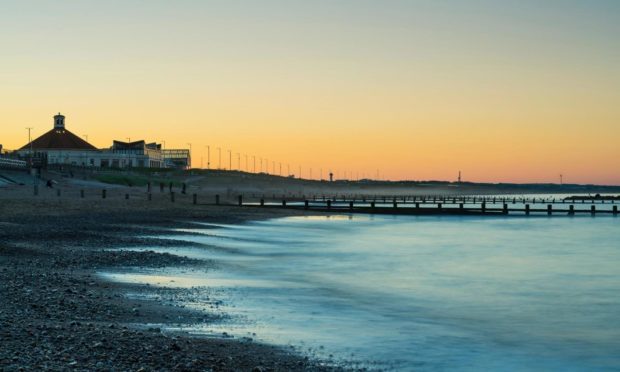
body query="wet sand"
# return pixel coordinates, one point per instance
(56, 313)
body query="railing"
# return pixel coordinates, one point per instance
(12, 163)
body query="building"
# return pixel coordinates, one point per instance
(60, 146)
(177, 158)
(136, 154)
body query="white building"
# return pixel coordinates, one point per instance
(61, 147)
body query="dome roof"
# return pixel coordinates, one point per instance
(59, 138)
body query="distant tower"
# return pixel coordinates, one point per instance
(459, 176)
(59, 121)
(331, 177)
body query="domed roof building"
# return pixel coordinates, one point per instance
(59, 138)
(60, 147)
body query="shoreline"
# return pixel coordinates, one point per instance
(57, 313)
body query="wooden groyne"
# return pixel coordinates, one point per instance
(440, 209)
(396, 205)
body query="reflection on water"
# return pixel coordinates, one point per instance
(421, 292)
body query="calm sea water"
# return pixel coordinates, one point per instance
(419, 293)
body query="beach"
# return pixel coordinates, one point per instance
(57, 314)
(80, 282)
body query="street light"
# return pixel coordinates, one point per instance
(30, 143)
(219, 158)
(229, 160)
(208, 157)
(190, 156)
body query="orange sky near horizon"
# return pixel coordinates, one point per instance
(504, 93)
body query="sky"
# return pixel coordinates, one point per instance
(504, 91)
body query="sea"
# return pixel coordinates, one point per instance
(404, 293)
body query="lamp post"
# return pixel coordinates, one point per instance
(34, 179)
(189, 161)
(219, 158)
(208, 157)
(30, 143)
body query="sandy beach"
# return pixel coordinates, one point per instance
(57, 314)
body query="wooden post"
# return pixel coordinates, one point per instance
(306, 204)
(395, 204)
(240, 200)
(82, 194)
(217, 199)
(170, 187)
(103, 194)
(372, 204)
(172, 196)
(329, 204)
(527, 209)
(184, 188)
(549, 209)
(571, 210)
(483, 207)
(351, 205)
(615, 210)
(283, 203)
(417, 205)
(195, 199)
(593, 210)
(439, 206)
(505, 208)
(262, 202)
